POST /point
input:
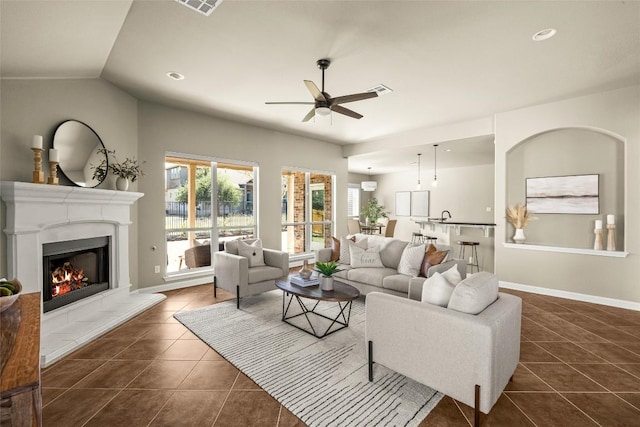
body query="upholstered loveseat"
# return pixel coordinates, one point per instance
(386, 278)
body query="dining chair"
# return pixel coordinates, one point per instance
(391, 227)
(353, 226)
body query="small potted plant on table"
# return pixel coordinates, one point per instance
(326, 270)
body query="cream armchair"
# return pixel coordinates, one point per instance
(468, 357)
(232, 272)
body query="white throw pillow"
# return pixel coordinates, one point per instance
(437, 290)
(363, 258)
(452, 275)
(475, 293)
(252, 252)
(411, 260)
(345, 244)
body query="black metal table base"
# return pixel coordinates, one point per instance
(341, 319)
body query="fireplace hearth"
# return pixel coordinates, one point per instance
(74, 270)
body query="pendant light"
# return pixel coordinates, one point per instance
(369, 185)
(419, 185)
(434, 183)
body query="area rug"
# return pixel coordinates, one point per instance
(322, 381)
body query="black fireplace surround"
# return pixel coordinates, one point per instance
(81, 268)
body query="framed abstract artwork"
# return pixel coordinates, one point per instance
(571, 194)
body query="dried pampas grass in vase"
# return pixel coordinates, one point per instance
(519, 217)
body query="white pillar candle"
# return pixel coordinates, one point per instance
(37, 142)
(611, 219)
(53, 155)
(598, 224)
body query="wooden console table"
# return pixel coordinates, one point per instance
(20, 395)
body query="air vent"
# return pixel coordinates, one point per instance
(204, 7)
(380, 89)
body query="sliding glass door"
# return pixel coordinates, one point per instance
(207, 202)
(307, 211)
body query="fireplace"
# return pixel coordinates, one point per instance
(74, 270)
(78, 232)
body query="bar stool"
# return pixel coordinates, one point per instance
(417, 237)
(430, 239)
(474, 254)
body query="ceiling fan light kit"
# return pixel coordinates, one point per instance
(323, 103)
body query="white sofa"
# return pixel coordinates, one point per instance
(387, 279)
(468, 357)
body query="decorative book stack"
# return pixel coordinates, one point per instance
(297, 280)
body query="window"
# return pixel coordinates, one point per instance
(353, 201)
(207, 202)
(307, 211)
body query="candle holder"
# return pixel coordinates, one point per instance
(38, 173)
(597, 245)
(611, 237)
(53, 173)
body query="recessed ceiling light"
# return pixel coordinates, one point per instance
(175, 75)
(544, 34)
(448, 150)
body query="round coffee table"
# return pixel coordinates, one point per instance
(342, 294)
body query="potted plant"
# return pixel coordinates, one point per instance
(127, 171)
(372, 211)
(326, 270)
(519, 217)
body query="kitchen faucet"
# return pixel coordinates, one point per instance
(442, 218)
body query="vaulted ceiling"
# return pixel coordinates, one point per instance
(447, 62)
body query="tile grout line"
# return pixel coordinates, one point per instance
(224, 402)
(519, 408)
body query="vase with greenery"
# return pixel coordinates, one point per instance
(519, 217)
(126, 171)
(373, 211)
(326, 270)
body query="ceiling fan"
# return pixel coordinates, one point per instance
(323, 102)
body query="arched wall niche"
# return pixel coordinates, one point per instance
(569, 151)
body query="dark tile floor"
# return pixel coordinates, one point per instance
(580, 366)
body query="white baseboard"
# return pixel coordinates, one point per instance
(179, 284)
(612, 302)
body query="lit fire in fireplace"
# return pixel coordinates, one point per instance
(66, 279)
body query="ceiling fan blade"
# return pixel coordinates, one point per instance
(355, 97)
(292, 103)
(310, 115)
(346, 112)
(315, 92)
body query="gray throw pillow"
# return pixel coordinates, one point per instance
(475, 293)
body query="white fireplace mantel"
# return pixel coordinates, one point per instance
(38, 214)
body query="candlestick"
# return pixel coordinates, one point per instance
(38, 173)
(37, 142)
(53, 155)
(53, 173)
(611, 237)
(611, 219)
(599, 224)
(597, 245)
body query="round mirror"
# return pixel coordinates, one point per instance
(80, 151)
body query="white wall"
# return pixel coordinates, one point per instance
(465, 192)
(164, 129)
(37, 107)
(147, 131)
(615, 112)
